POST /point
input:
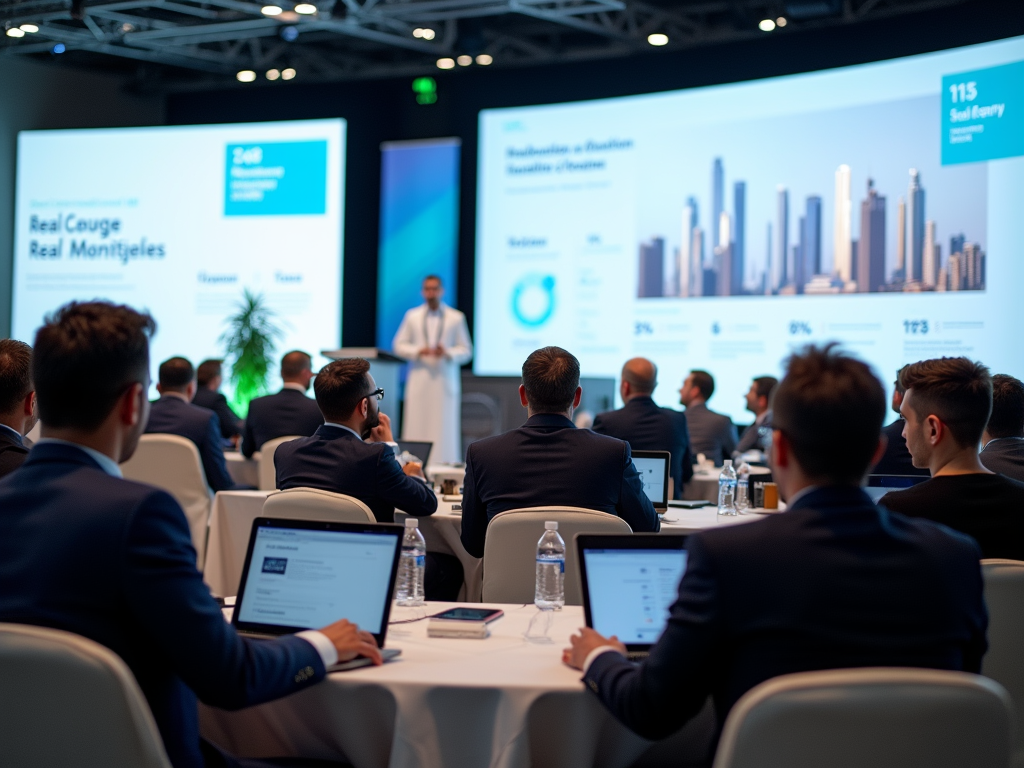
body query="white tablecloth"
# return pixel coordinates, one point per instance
(242, 470)
(704, 483)
(499, 703)
(230, 525)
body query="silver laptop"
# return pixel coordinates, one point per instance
(653, 468)
(420, 449)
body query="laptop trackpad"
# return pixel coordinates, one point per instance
(362, 661)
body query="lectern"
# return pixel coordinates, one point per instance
(386, 370)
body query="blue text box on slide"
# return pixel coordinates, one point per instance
(983, 114)
(276, 178)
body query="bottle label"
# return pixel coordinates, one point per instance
(421, 561)
(546, 561)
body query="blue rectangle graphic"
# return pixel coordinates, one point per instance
(276, 178)
(983, 114)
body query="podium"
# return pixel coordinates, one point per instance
(386, 370)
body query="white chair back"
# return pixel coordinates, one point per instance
(266, 469)
(314, 504)
(879, 717)
(172, 462)
(67, 701)
(1004, 662)
(510, 550)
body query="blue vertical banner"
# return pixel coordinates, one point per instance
(419, 226)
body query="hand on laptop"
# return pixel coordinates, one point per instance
(585, 642)
(414, 469)
(351, 642)
(382, 432)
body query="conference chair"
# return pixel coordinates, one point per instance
(266, 470)
(314, 504)
(1004, 662)
(172, 462)
(67, 701)
(510, 550)
(882, 717)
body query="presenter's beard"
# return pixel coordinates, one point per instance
(371, 423)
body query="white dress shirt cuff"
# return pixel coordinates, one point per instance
(595, 653)
(328, 653)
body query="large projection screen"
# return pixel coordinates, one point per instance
(182, 221)
(720, 228)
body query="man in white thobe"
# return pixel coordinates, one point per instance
(434, 338)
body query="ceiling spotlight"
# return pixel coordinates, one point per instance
(287, 74)
(446, 63)
(126, 28)
(58, 48)
(30, 28)
(289, 34)
(484, 59)
(425, 33)
(15, 32)
(781, 21)
(246, 76)
(464, 60)
(657, 39)
(271, 10)
(766, 25)
(273, 74)
(306, 9)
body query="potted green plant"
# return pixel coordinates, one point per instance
(249, 342)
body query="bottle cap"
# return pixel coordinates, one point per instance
(412, 522)
(550, 525)
(726, 463)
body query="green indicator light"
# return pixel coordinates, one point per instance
(425, 89)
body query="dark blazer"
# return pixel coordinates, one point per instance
(289, 412)
(1005, 455)
(648, 427)
(712, 434)
(834, 582)
(545, 462)
(173, 416)
(113, 560)
(896, 459)
(230, 424)
(334, 459)
(12, 451)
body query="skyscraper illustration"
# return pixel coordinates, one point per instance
(930, 260)
(800, 277)
(842, 260)
(652, 268)
(871, 246)
(915, 227)
(723, 257)
(717, 201)
(685, 267)
(810, 239)
(739, 228)
(697, 263)
(781, 275)
(900, 272)
(766, 288)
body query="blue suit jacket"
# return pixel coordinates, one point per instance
(113, 560)
(230, 424)
(648, 427)
(1006, 456)
(835, 582)
(547, 461)
(336, 460)
(173, 416)
(288, 412)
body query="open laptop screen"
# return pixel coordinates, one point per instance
(653, 469)
(879, 485)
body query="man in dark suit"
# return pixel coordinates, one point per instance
(759, 399)
(288, 412)
(353, 453)
(712, 434)
(112, 560)
(1003, 438)
(645, 425)
(174, 414)
(548, 461)
(209, 377)
(896, 460)
(834, 582)
(17, 403)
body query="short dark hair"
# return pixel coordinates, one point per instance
(1007, 419)
(294, 363)
(957, 390)
(339, 387)
(704, 382)
(207, 371)
(765, 385)
(15, 373)
(433, 277)
(176, 373)
(85, 356)
(898, 384)
(551, 376)
(830, 407)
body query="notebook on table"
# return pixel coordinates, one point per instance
(653, 467)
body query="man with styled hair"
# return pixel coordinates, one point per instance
(835, 582)
(759, 401)
(209, 377)
(287, 412)
(17, 403)
(1003, 438)
(711, 433)
(645, 425)
(897, 459)
(548, 461)
(112, 560)
(945, 410)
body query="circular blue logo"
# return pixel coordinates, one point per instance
(533, 300)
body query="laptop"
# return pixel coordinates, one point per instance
(304, 574)
(879, 485)
(629, 584)
(421, 450)
(653, 467)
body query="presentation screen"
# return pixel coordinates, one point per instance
(721, 228)
(185, 222)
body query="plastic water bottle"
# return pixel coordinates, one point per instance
(727, 490)
(411, 567)
(549, 594)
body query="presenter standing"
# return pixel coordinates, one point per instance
(434, 338)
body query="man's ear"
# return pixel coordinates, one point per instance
(781, 449)
(883, 443)
(936, 429)
(577, 397)
(522, 396)
(129, 407)
(29, 404)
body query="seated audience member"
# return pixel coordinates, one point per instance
(548, 461)
(712, 434)
(834, 582)
(112, 560)
(17, 403)
(288, 412)
(353, 453)
(645, 425)
(209, 377)
(174, 414)
(896, 460)
(1003, 438)
(759, 399)
(945, 409)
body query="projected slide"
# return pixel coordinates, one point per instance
(183, 222)
(722, 227)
